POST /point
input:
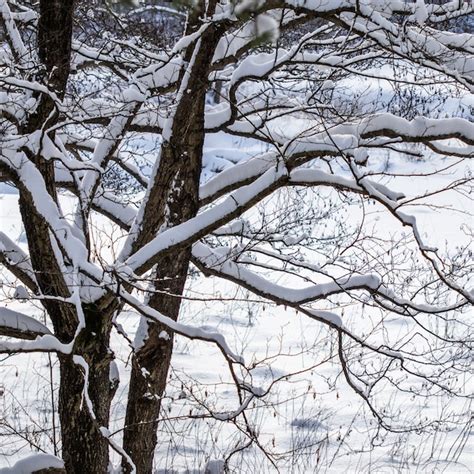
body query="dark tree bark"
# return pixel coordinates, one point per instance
(54, 40)
(173, 199)
(84, 449)
(141, 420)
(178, 185)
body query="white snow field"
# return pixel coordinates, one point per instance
(309, 409)
(308, 357)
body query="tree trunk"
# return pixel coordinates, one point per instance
(84, 448)
(145, 392)
(173, 199)
(151, 361)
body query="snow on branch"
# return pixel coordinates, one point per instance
(35, 463)
(210, 219)
(219, 264)
(212, 260)
(183, 329)
(13, 36)
(418, 129)
(19, 325)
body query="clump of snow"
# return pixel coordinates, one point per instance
(33, 463)
(22, 322)
(142, 334)
(421, 12)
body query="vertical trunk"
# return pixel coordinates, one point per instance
(144, 400)
(173, 199)
(84, 448)
(169, 278)
(54, 40)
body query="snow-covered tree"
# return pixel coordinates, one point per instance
(328, 95)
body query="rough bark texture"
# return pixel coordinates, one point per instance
(84, 447)
(141, 420)
(54, 41)
(173, 199)
(178, 183)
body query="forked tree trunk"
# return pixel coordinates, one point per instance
(174, 200)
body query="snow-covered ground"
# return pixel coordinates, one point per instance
(310, 410)
(310, 418)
